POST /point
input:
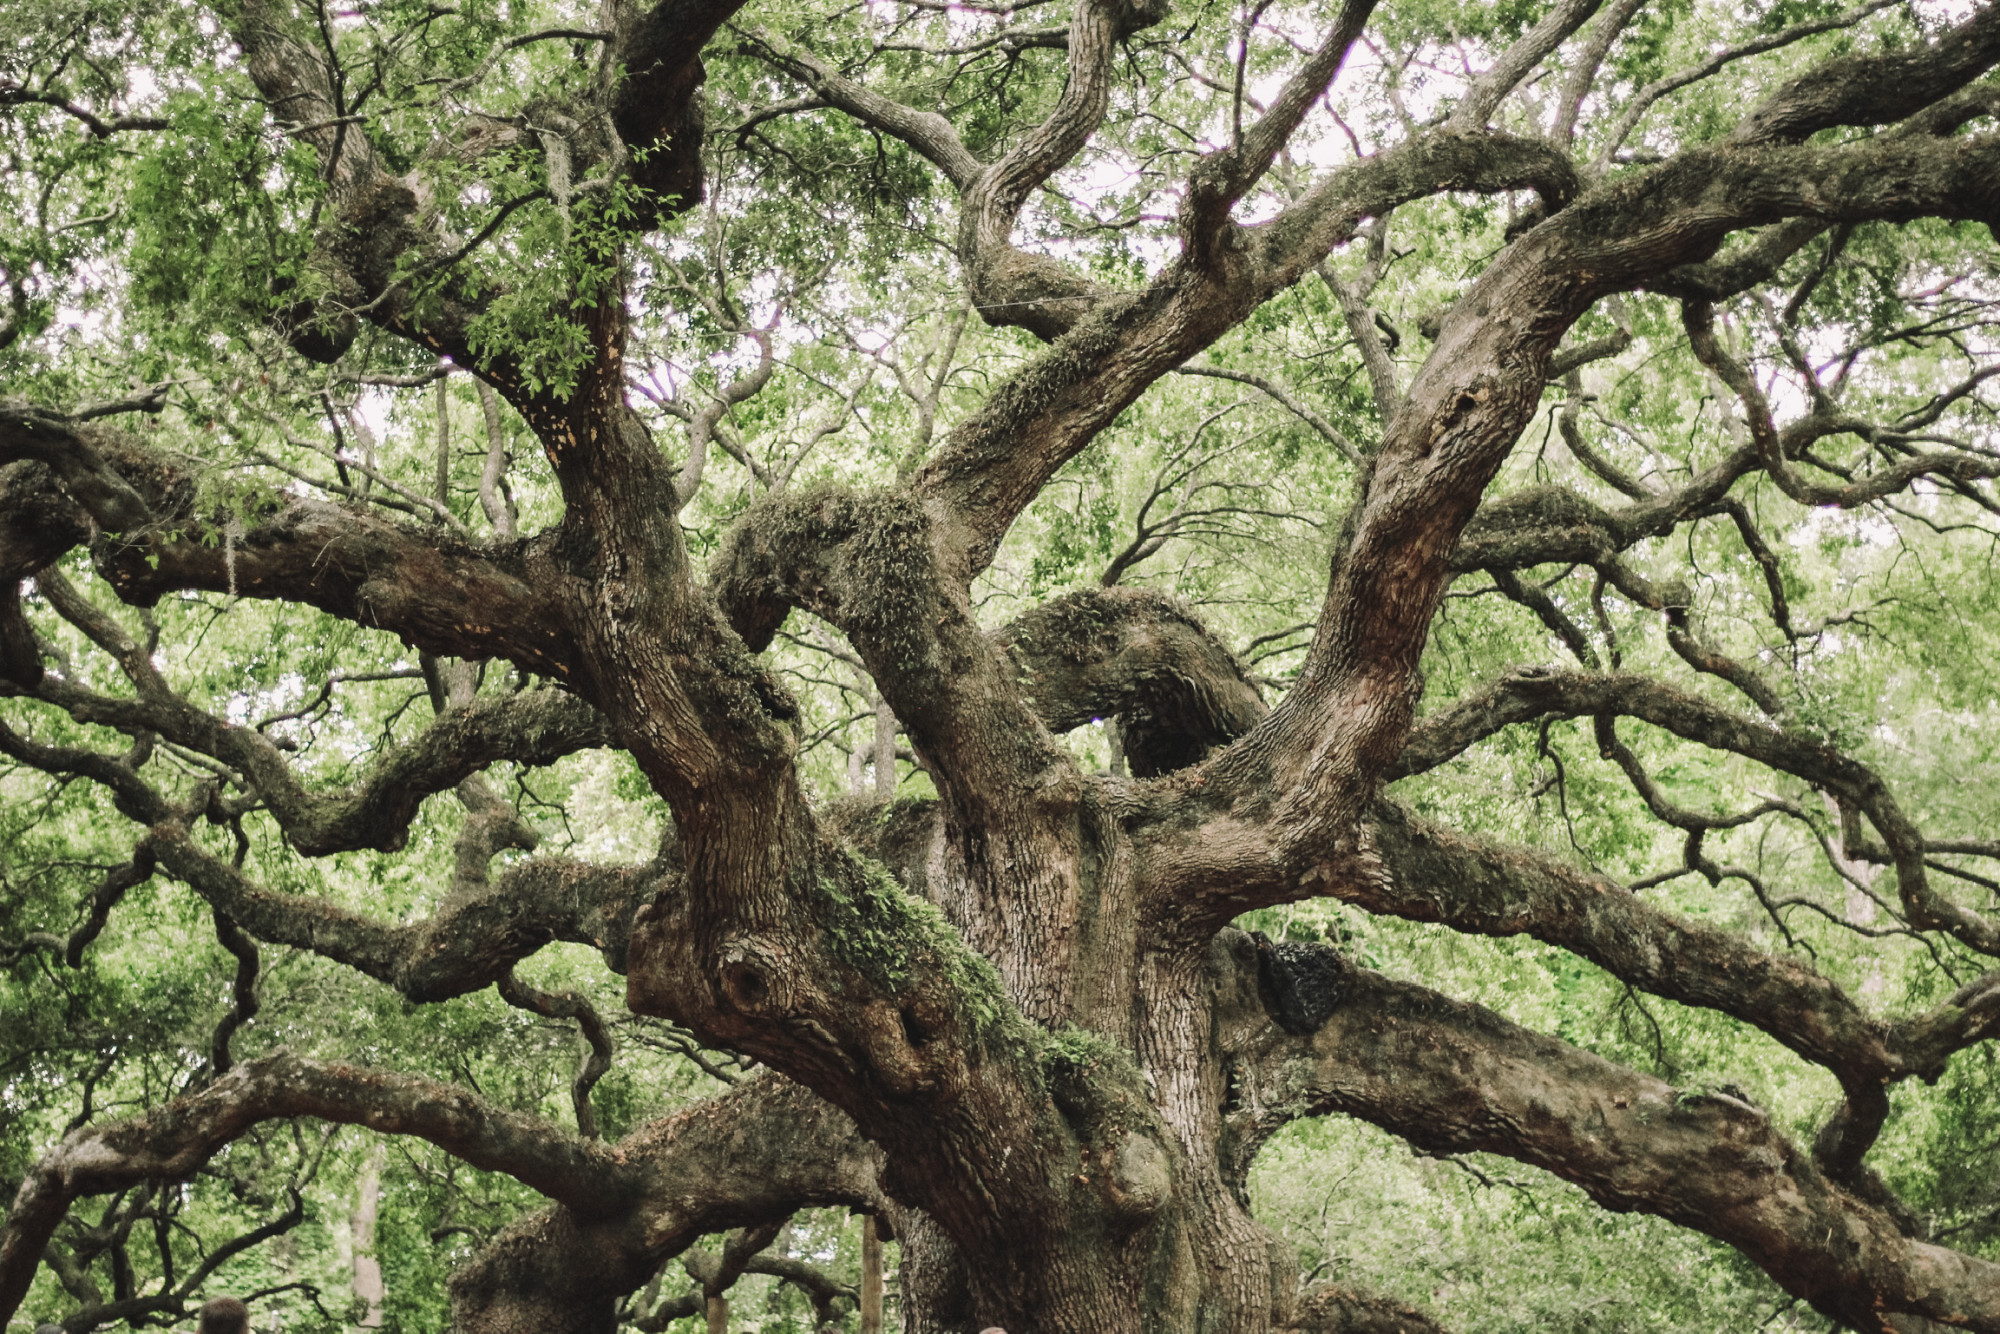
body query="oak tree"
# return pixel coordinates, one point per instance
(1028, 494)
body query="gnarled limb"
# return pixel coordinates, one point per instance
(754, 1156)
(53, 439)
(171, 1142)
(1136, 654)
(473, 939)
(480, 930)
(532, 727)
(1450, 1077)
(1008, 286)
(1344, 723)
(1875, 89)
(656, 104)
(445, 595)
(1331, 1309)
(1431, 874)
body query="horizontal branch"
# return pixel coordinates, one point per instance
(1875, 89)
(172, 1142)
(529, 727)
(440, 593)
(1432, 874)
(1455, 1078)
(476, 935)
(1535, 694)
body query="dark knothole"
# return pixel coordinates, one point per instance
(1301, 983)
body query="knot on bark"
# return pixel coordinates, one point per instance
(895, 1039)
(1301, 984)
(751, 981)
(1139, 1176)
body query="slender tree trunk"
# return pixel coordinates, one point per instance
(885, 751)
(367, 1282)
(871, 1274)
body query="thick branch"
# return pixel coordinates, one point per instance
(1139, 655)
(753, 1157)
(1431, 874)
(443, 595)
(1223, 178)
(1453, 1078)
(1330, 1309)
(476, 935)
(531, 727)
(1525, 695)
(53, 439)
(657, 108)
(1876, 89)
(1528, 50)
(172, 1142)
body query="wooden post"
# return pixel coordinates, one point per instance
(871, 1276)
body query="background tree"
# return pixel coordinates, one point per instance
(495, 499)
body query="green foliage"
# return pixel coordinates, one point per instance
(885, 933)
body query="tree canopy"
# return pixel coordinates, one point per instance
(631, 631)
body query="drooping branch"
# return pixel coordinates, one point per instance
(1772, 449)
(597, 1053)
(1426, 873)
(171, 1142)
(752, 1157)
(532, 727)
(1452, 1078)
(1139, 655)
(15, 93)
(1284, 398)
(483, 926)
(928, 133)
(243, 994)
